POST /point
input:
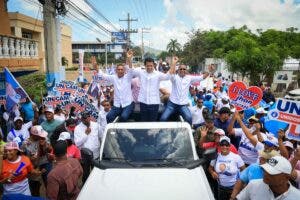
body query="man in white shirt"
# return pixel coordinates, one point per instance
(197, 115)
(102, 117)
(20, 131)
(123, 101)
(274, 185)
(86, 135)
(178, 101)
(149, 90)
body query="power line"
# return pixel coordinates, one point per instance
(129, 30)
(84, 14)
(100, 14)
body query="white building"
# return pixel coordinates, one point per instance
(286, 79)
(98, 48)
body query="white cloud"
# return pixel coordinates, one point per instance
(227, 13)
(221, 15)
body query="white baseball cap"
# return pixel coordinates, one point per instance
(220, 132)
(288, 144)
(64, 136)
(271, 140)
(49, 109)
(261, 110)
(18, 118)
(225, 138)
(277, 165)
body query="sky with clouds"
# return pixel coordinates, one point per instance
(172, 19)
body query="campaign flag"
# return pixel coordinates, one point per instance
(242, 97)
(14, 92)
(287, 111)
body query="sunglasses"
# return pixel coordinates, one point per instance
(182, 69)
(225, 144)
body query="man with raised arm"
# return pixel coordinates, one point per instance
(149, 92)
(178, 101)
(123, 102)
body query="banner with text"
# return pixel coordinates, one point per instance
(242, 97)
(288, 111)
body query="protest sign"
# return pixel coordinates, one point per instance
(54, 101)
(287, 111)
(242, 97)
(69, 88)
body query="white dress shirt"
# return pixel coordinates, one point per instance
(180, 88)
(149, 83)
(90, 141)
(122, 87)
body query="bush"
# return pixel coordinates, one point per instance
(34, 84)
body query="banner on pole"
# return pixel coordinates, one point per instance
(14, 92)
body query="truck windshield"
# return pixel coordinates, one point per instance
(145, 145)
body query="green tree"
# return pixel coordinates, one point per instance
(163, 55)
(173, 47)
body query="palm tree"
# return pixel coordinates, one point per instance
(173, 46)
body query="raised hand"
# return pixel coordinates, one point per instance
(203, 131)
(129, 54)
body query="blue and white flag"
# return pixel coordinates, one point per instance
(14, 92)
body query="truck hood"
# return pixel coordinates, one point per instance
(146, 184)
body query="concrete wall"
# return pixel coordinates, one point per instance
(20, 23)
(4, 21)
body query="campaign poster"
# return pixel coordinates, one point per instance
(287, 111)
(243, 97)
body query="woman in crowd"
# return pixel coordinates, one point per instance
(225, 169)
(15, 169)
(32, 148)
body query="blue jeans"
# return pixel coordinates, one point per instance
(124, 113)
(149, 112)
(173, 108)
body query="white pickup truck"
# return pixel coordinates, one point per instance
(144, 160)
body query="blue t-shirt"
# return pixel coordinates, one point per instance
(209, 105)
(253, 171)
(28, 111)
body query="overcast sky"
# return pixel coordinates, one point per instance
(173, 19)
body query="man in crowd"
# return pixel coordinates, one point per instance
(62, 182)
(178, 101)
(197, 114)
(149, 92)
(86, 135)
(68, 126)
(275, 183)
(50, 124)
(123, 101)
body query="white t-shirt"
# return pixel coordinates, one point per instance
(246, 150)
(11, 136)
(257, 190)
(197, 116)
(227, 167)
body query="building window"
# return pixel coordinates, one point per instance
(27, 35)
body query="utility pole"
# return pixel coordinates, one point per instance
(129, 30)
(144, 30)
(50, 38)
